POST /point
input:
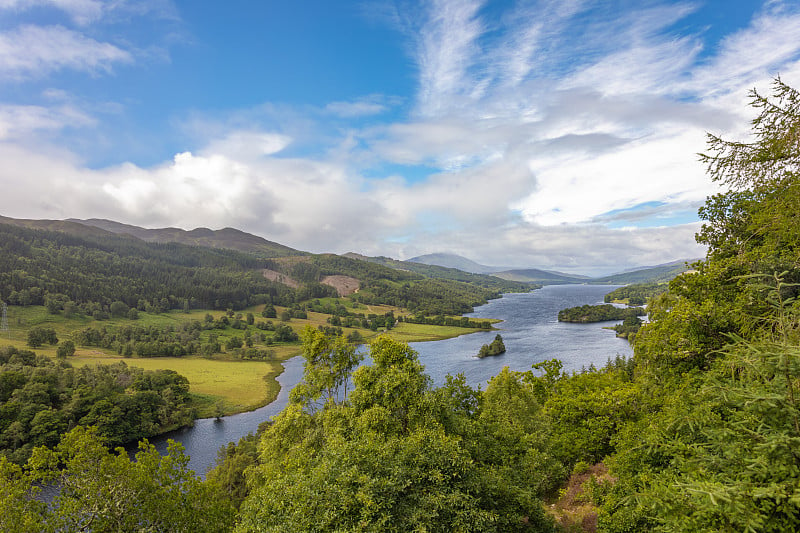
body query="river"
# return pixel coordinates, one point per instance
(531, 333)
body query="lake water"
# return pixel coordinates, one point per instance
(531, 333)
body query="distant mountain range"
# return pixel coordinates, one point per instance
(651, 274)
(454, 261)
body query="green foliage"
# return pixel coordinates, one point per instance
(40, 399)
(40, 335)
(629, 327)
(102, 491)
(113, 270)
(722, 455)
(598, 313)
(232, 462)
(717, 449)
(636, 293)
(496, 347)
(586, 411)
(65, 349)
(327, 367)
(20, 511)
(399, 455)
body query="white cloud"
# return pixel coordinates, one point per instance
(34, 51)
(749, 56)
(248, 145)
(538, 124)
(446, 50)
(81, 11)
(360, 108)
(20, 121)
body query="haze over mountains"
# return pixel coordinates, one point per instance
(641, 274)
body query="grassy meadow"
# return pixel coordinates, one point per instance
(222, 380)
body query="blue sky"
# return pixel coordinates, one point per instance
(556, 133)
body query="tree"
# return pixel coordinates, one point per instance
(496, 347)
(774, 155)
(719, 363)
(327, 367)
(40, 335)
(118, 309)
(65, 349)
(103, 491)
(398, 455)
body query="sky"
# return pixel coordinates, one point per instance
(558, 134)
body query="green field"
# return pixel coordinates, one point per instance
(221, 381)
(242, 385)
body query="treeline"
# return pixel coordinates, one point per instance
(636, 293)
(40, 399)
(599, 313)
(441, 320)
(426, 296)
(439, 272)
(187, 338)
(86, 273)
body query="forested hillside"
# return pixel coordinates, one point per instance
(37, 267)
(700, 432)
(422, 289)
(90, 272)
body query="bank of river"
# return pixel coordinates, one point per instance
(531, 333)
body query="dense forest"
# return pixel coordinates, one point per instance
(89, 273)
(699, 432)
(40, 399)
(636, 293)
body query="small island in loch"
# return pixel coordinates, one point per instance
(497, 347)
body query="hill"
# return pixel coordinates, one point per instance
(454, 261)
(545, 277)
(490, 281)
(64, 226)
(39, 266)
(654, 274)
(228, 238)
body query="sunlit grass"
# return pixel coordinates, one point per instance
(239, 385)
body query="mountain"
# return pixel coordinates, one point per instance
(527, 275)
(545, 277)
(64, 226)
(447, 273)
(229, 238)
(454, 261)
(647, 274)
(653, 274)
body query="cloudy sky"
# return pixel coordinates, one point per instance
(553, 133)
